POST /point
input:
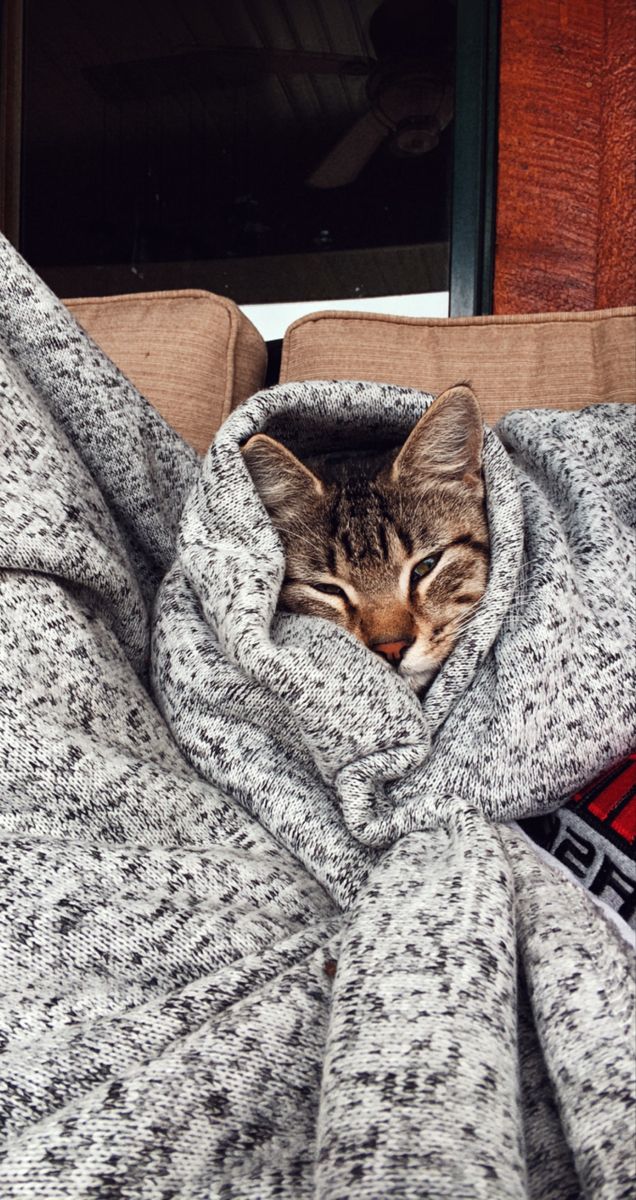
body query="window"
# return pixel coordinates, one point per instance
(276, 152)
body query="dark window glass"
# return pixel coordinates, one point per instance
(270, 150)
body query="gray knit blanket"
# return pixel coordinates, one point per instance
(269, 928)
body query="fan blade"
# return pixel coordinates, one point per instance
(213, 67)
(345, 161)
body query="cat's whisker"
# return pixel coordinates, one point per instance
(306, 540)
(463, 625)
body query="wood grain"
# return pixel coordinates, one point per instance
(566, 224)
(616, 273)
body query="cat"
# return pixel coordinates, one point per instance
(392, 547)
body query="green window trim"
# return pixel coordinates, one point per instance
(472, 242)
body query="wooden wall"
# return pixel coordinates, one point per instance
(566, 216)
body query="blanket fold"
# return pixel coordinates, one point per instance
(561, 538)
(266, 927)
(427, 979)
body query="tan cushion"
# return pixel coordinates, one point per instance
(194, 355)
(557, 360)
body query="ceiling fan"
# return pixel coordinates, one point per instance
(409, 90)
(409, 84)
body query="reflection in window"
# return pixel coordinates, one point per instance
(267, 150)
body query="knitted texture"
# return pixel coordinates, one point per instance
(266, 928)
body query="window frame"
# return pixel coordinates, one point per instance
(472, 240)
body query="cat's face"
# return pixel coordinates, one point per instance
(397, 552)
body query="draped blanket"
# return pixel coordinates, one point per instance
(267, 927)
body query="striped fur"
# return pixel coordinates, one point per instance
(356, 531)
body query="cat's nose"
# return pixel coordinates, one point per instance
(393, 651)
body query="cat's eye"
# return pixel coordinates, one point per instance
(330, 589)
(424, 568)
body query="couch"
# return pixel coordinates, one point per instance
(196, 356)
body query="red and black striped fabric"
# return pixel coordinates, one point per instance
(594, 835)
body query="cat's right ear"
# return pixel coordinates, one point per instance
(282, 482)
(446, 444)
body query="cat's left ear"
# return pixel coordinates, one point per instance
(446, 444)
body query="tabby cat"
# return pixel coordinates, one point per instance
(393, 548)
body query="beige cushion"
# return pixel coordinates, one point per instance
(557, 360)
(191, 353)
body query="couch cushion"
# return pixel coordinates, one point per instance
(556, 360)
(191, 353)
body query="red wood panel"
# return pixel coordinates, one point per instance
(566, 224)
(616, 275)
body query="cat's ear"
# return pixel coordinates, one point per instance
(446, 444)
(282, 482)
